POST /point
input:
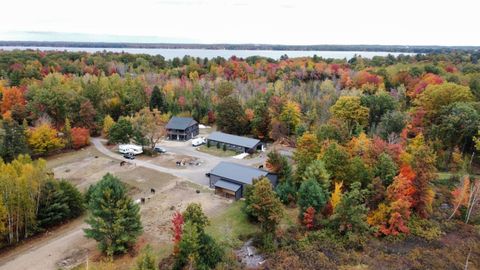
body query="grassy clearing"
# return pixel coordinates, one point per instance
(214, 151)
(232, 225)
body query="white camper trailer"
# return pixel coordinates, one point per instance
(198, 141)
(130, 148)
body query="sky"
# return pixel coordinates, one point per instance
(291, 22)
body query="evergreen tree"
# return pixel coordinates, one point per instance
(311, 194)
(74, 198)
(385, 169)
(146, 260)
(196, 248)
(195, 215)
(350, 214)
(278, 164)
(264, 205)
(53, 205)
(231, 117)
(261, 121)
(316, 171)
(14, 141)
(157, 100)
(114, 218)
(188, 247)
(286, 191)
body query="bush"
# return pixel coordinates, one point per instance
(424, 228)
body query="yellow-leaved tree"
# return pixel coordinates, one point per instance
(336, 195)
(44, 139)
(108, 123)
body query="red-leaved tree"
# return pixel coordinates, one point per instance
(309, 218)
(177, 226)
(80, 137)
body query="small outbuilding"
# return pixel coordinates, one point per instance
(233, 142)
(182, 128)
(229, 179)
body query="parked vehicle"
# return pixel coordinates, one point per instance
(198, 141)
(129, 155)
(159, 149)
(130, 148)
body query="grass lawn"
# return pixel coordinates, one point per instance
(231, 225)
(213, 150)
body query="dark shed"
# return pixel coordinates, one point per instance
(230, 179)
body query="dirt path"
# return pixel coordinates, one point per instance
(197, 175)
(44, 252)
(193, 174)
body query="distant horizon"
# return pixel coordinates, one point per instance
(234, 46)
(70, 37)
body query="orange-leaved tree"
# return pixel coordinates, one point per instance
(80, 137)
(391, 219)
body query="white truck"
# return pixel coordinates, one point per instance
(130, 148)
(198, 141)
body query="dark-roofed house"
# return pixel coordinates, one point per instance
(234, 142)
(229, 179)
(182, 128)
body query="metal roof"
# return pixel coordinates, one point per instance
(240, 173)
(233, 139)
(181, 123)
(227, 185)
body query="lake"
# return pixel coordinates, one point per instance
(202, 53)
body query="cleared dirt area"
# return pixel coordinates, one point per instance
(66, 247)
(169, 160)
(158, 211)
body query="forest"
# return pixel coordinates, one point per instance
(386, 149)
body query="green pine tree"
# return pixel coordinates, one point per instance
(74, 198)
(53, 206)
(14, 141)
(157, 100)
(114, 218)
(146, 260)
(311, 194)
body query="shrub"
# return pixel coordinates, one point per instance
(424, 228)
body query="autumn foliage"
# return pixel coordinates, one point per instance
(80, 137)
(309, 218)
(11, 97)
(176, 229)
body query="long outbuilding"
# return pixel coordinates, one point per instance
(234, 142)
(229, 179)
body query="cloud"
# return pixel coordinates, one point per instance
(253, 21)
